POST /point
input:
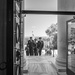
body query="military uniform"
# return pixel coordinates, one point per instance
(40, 45)
(35, 48)
(30, 45)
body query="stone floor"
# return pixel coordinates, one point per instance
(39, 65)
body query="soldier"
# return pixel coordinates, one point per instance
(30, 45)
(35, 47)
(40, 45)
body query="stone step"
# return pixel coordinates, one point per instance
(62, 73)
(25, 71)
(58, 68)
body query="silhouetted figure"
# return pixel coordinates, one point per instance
(40, 45)
(35, 47)
(27, 50)
(30, 45)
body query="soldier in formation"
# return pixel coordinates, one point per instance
(34, 47)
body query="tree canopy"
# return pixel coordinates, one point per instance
(52, 33)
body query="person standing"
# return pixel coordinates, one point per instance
(30, 45)
(40, 45)
(35, 47)
(27, 50)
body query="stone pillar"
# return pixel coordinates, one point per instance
(61, 58)
(63, 5)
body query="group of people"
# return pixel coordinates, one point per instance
(34, 47)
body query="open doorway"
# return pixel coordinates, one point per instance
(36, 26)
(44, 26)
(17, 28)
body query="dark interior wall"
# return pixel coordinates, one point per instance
(9, 37)
(3, 34)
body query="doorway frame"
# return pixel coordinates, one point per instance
(68, 71)
(10, 29)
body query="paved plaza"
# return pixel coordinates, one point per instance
(38, 65)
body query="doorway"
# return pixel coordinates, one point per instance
(44, 26)
(42, 12)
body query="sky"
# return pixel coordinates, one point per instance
(39, 23)
(40, 4)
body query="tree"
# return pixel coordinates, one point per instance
(54, 42)
(52, 33)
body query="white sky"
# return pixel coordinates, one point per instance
(40, 5)
(39, 23)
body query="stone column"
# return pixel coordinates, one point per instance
(61, 58)
(63, 5)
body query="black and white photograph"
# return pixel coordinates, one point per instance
(37, 37)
